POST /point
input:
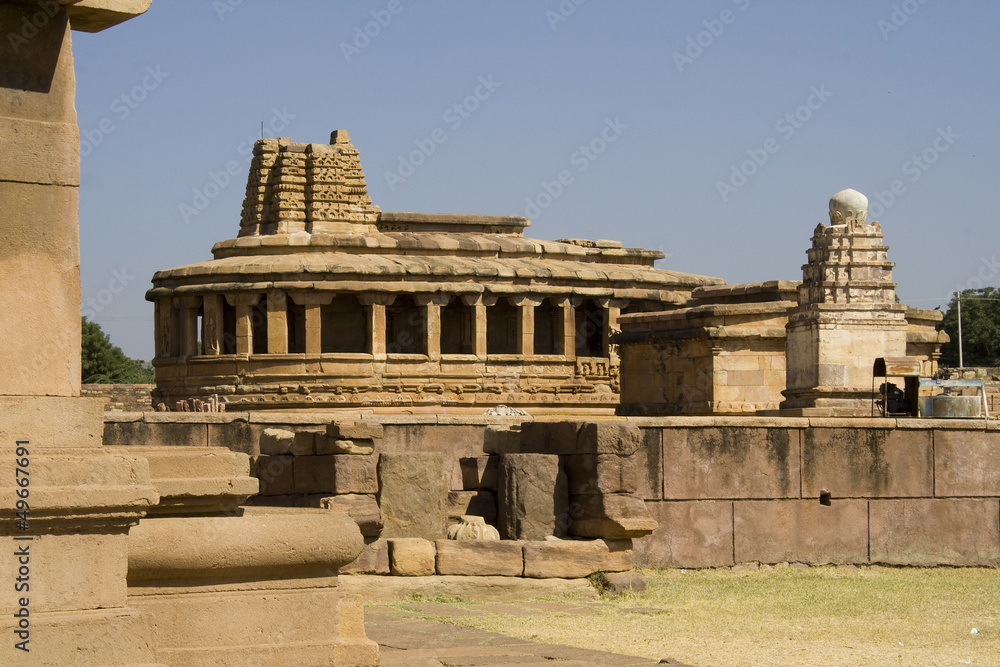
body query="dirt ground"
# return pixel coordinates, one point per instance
(774, 615)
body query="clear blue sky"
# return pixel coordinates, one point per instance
(669, 98)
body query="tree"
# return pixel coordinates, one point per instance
(104, 363)
(980, 328)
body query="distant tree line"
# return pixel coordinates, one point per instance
(980, 328)
(103, 362)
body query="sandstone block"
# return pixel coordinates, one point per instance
(313, 474)
(412, 494)
(480, 558)
(532, 497)
(730, 462)
(274, 473)
(354, 474)
(601, 473)
(363, 509)
(374, 559)
(935, 531)
(572, 559)
(867, 462)
(411, 557)
(965, 463)
(611, 516)
(277, 441)
(549, 437)
(609, 437)
(479, 503)
(502, 440)
(690, 534)
(479, 472)
(355, 430)
(779, 531)
(328, 445)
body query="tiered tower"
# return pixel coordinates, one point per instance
(312, 188)
(846, 318)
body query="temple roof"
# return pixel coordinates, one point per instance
(308, 222)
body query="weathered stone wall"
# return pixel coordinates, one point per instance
(121, 397)
(725, 490)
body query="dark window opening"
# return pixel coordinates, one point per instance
(258, 326)
(295, 316)
(405, 327)
(344, 326)
(591, 320)
(228, 343)
(502, 328)
(458, 328)
(548, 328)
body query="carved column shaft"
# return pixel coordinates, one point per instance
(277, 323)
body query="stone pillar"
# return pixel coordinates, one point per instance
(243, 303)
(526, 327)
(211, 336)
(480, 326)
(39, 180)
(80, 499)
(433, 303)
(569, 325)
(846, 318)
(277, 323)
(611, 327)
(314, 321)
(377, 302)
(187, 318)
(167, 344)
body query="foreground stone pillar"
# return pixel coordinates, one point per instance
(846, 318)
(258, 589)
(63, 549)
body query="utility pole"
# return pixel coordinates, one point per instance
(958, 298)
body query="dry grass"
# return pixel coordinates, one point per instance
(821, 616)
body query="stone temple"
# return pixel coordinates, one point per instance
(323, 300)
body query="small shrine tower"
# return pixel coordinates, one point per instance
(847, 316)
